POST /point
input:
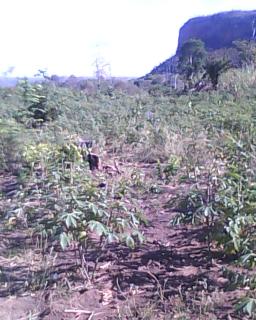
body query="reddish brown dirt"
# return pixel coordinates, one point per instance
(174, 263)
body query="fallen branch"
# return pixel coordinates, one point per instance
(78, 311)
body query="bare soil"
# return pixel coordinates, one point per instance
(173, 273)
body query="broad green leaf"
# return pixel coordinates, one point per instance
(112, 237)
(250, 307)
(99, 228)
(64, 240)
(130, 242)
(247, 305)
(70, 220)
(247, 257)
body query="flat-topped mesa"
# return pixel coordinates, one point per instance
(219, 30)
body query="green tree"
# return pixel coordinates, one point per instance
(246, 52)
(39, 103)
(192, 55)
(214, 68)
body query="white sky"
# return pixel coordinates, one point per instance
(66, 36)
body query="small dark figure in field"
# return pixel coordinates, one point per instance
(94, 161)
(92, 158)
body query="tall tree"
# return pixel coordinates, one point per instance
(192, 55)
(246, 51)
(214, 68)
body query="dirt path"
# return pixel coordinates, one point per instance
(172, 266)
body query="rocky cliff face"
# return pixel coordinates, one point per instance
(220, 30)
(217, 31)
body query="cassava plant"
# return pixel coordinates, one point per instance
(73, 209)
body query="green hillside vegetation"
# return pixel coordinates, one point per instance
(164, 229)
(196, 68)
(230, 35)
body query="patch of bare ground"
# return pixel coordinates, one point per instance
(172, 276)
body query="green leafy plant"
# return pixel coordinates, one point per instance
(167, 171)
(214, 68)
(37, 106)
(73, 210)
(247, 305)
(192, 55)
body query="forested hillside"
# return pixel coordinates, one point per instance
(222, 35)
